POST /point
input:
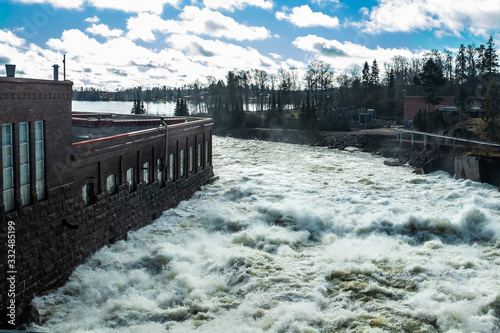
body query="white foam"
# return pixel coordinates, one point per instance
(296, 238)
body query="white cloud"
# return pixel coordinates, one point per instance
(103, 30)
(144, 25)
(193, 20)
(326, 2)
(93, 19)
(214, 24)
(135, 6)
(218, 57)
(31, 60)
(120, 62)
(9, 38)
(447, 17)
(69, 4)
(303, 17)
(347, 55)
(231, 5)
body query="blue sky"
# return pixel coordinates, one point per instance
(122, 43)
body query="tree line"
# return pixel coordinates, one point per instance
(470, 74)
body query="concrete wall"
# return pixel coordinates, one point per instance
(480, 169)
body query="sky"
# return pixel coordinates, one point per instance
(114, 44)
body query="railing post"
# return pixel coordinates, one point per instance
(412, 139)
(425, 141)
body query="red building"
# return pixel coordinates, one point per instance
(414, 103)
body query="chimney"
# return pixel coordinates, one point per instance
(10, 70)
(56, 72)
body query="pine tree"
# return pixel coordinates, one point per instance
(491, 59)
(491, 108)
(181, 109)
(365, 78)
(461, 66)
(431, 79)
(374, 77)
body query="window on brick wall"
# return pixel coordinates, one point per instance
(207, 158)
(8, 167)
(130, 179)
(111, 184)
(191, 158)
(159, 170)
(181, 171)
(199, 154)
(24, 161)
(40, 160)
(145, 173)
(171, 167)
(88, 194)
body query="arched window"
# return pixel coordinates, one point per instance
(199, 154)
(88, 194)
(181, 171)
(145, 173)
(130, 179)
(171, 167)
(159, 170)
(111, 184)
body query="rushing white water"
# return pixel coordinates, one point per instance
(299, 239)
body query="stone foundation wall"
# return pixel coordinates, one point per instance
(480, 169)
(54, 236)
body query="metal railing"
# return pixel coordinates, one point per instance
(400, 131)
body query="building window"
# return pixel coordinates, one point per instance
(88, 194)
(207, 159)
(24, 161)
(40, 160)
(130, 179)
(159, 170)
(8, 167)
(145, 172)
(111, 184)
(199, 154)
(171, 167)
(191, 158)
(181, 171)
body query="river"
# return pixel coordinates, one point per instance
(152, 108)
(295, 238)
(120, 107)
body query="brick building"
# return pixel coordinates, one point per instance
(64, 200)
(414, 103)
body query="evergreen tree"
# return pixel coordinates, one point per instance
(491, 59)
(461, 66)
(365, 78)
(374, 76)
(491, 108)
(181, 109)
(138, 107)
(431, 79)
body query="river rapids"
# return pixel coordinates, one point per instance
(295, 238)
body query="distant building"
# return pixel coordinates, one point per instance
(414, 103)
